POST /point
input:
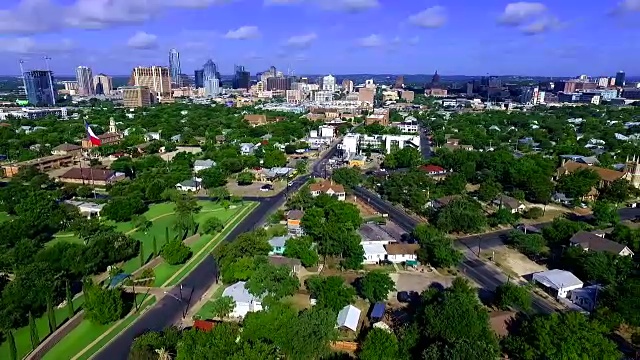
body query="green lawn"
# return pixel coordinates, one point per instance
(64, 237)
(23, 335)
(205, 311)
(83, 335)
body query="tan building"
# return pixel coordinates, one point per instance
(255, 119)
(408, 95)
(366, 95)
(90, 176)
(436, 92)
(347, 86)
(109, 138)
(66, 149)
(156, 78)
(295, 96)
(103, 84)
(380, 116)
(136, 96)
(42, 164)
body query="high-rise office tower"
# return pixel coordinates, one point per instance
(40, 88)
(347, 85)
(278, 83)
(84, 77)
(156, 78)
(136, 96)
(399, 82)
(620, 78)
(210, 70)
(102, 84)
(329, 83)
(174, 67)
(212, 86)
(198, 78)
(241, 78)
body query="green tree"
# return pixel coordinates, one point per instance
(274, 158)
(51, 315)
(141, 223)
(302, 248)
(13, 352)
(379, 344)
(175, 252)
(569, 335)
(578, 183)
(219, 343)
(142, 258)
(311, 335)
(436, 248)
(213, 178)
(528, 244)
(33, 330)
(489, 190)
(605, 213)
(533, 213)
(222, 306)
(503, 216)
(330, 292)
(213, 225)
(347, 176)
(375, 286)
(274, 282)
(219, 193)
(245, 178)
(561, 230)
(186, 207)
(461, 215)
(617, 192)
(453, 185)
(123, 208)
(509, 295)
(102, 306)
(406, 157)
(69, 297)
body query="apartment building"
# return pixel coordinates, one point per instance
(156, 78)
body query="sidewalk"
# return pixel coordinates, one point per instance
(193, 310)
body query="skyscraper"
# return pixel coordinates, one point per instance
(199, 78)
(40, 88)
(174, 67)
(241, 78)
(211, 86)
(620, 77)
(156, 78)
(210, 70)
(84, 77)
(329, 83)
(103, 84)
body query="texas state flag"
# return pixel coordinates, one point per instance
(92, 137)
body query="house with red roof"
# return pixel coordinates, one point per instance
(435, 171)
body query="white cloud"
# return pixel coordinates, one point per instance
(541, 25)
(628, 6)
(243, 33)
(331, 5)
(29, 46)
(142, 40)
(301, 40)
(518, 13)
(37, 16)
(433, 17)
(372, 40)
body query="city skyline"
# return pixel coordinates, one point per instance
(338, 37)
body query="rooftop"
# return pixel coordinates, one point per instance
(591, 241)
(89, 174)
(239, 293)
(349, 317)
(557, 279)
(402, 249)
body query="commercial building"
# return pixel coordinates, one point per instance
(620, 78)
(241, 78)
(278, 83)
(294, 96)
(347, 86)
(322, 95)
(136, 96)
(90, 176)
(156, 78)
(198, 79)
(380, 116)
(212, 87)
(356, 143)
(42, 164)
(40, 87)
(174, 68)
(408, 96)
(366, 95)
(329, 83)
(568, 86)
(631, 93)
(604, 82)
(210, 70)
(103, 84)
(71, 86)
(33, 113)
(399, 84)
(84, 77)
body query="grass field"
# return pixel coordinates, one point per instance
(205, 311)
(23, 335)
(83, 335)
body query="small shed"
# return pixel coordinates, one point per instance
(377, 311)
(348, 318)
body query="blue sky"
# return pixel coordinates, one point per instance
(456, 37)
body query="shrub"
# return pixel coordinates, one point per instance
(533, 213)
(175, 252)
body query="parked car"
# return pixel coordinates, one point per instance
(266, 187)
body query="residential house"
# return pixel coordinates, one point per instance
(442, 202)
(245, 302)
(509, 203)
(256, 119)
(220, 139)
(402, 253)
(154, 135)
(91, 176)
(374, 232)
(595, 241)
(558, 282)
(294, 226)
(454, 144)
(585, 297)
(293, 264)
(278, 244)
(561, 198)
(200, 165)
(348, 318)
(67, 149)
(176, 138)
(588, 160)
(374, 252)
(191, 185)
(273, 174)
(88, 209)
(248, 148)
(434, 171)
(329, 188)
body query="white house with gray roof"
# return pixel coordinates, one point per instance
(245, 302)
(200, 165)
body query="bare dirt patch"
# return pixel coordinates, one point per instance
(364, 208)
(512, 261)
(254, 188)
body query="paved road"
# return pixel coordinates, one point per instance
(169, 309)
(486, 276)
